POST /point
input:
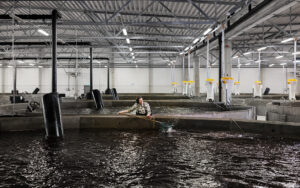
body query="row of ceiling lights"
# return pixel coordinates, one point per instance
(128, 42)
(277, 57)
(200, 39)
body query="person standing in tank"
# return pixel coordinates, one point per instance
(142, 108)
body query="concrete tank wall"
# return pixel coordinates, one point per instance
(291, 130)
(283, 111)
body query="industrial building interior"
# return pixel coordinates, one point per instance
(149, 93)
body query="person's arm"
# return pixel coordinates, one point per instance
(148, 111)
(132, 108)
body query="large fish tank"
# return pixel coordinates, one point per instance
(180, 158)
(101, 149)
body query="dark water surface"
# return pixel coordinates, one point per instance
(162, 110)
(97, 158)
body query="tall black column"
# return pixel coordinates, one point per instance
(220, 67)
(108, 91)
(54, 46)
(51, 103)
(108, 67)
(91, 69)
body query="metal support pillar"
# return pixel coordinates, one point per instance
(150, 74)
(220, 67)
(51, 104)
(54, 47)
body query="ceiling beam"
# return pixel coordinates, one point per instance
(27, 17)
(175, 1)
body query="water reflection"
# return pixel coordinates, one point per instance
(162, 110)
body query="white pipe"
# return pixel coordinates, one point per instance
(284, 80)
(259, 66)
(223, 51)
(183, 79)
(189, 65)
(239, 70)
(172, 73)
(13, 61)
(207, 58)
(295, 56)
(76, 70)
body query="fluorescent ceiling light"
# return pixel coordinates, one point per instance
(130, 49)
(31, 64)
(134, 61)
(207, 31)
(235, 56)
(132, 54)
(186, 48)
(278, 57)
(124, 31)
(133, 57)
(282, 64)
(43, 32)
(136, 66)
(247, 53)
(297, 53)
(9, 66)
(169, 64)
(40, 66)
(262, 48)
(271, 65)
(196, 40)
(202, 39)
(181, 53)
(287, 40)
(21, 62)
(247, 64)
(128, 40)
(256, 61)
(105, 66)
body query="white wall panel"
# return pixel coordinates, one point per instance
(134, 80)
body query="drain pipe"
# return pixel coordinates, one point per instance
(90, 94)
(51, 104)
(108, 91)
(91, 69)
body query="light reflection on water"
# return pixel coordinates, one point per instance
(162, 110)
(95, 158)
